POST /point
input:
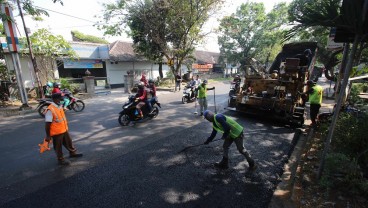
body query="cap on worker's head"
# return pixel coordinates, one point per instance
(56, 96)
(205, 81)
(307, 52)
(310, 83)
(206, 112)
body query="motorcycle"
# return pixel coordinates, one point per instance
(347, 108)
(75, 104)
(234, 88)
(189, 94)
(130, 112)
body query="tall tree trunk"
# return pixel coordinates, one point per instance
(160, 70)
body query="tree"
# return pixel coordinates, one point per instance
(163, 28)
(49, 48)
(251, 33)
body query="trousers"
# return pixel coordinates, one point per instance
(61, 140)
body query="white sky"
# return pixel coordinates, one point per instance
(83, 12)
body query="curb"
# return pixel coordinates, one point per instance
(15, 112)
(283, 195)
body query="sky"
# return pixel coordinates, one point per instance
(80, 15)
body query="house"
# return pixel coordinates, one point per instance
(108, 62)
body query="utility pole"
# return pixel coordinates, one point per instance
(12, 40)
(31, 52)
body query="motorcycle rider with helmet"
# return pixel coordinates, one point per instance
(56, 89)
(141, 98)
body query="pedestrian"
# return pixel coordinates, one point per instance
(202, 96)
(232, 132)
(315, 99)
(177, 81)
(56, 127)
(197, 80)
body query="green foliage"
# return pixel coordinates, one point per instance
(350, 135)
(349, 155)
(48, 48)
(44, 43)
(4, 74)
(87, 38)
(341, 172)
(250, 32)
(358, 71)
(354, 93)
(66, 84)
(160, 29)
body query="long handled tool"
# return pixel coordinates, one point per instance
(196, 145)
(214, 99)
(195, 106)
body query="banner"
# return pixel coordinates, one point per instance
(83, 64)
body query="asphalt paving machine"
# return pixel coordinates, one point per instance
(277, 91)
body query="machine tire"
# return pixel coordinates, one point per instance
(184, 99)
(78, 106)
(124, 119)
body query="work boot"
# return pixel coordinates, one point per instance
(76, 155)
(64, 162)
(224, 164)
(251, 163)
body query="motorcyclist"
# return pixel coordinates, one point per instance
(56, 89)
(47, 89)
(151, 97)
(140, 98)
(193, 84)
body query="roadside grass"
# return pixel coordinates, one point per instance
(344, 182)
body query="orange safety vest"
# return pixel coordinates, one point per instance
(59, 124)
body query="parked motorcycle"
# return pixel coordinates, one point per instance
(130, 112)
(234, 88)
(75, 104)
(188, 94)
(347, 108)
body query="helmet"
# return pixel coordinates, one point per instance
(205, 81)
(49, 84)
(151, 81)
(140, 86)
(57, 84)
(237, 75)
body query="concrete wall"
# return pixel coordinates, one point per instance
(27, 70)
(116, 71)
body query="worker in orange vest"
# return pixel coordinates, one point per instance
(57, 128)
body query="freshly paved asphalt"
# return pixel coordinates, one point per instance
(142, 166)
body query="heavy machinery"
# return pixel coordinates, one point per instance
(277, 92)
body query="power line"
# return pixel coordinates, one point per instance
(65, 14)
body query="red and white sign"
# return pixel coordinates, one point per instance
(10, 29)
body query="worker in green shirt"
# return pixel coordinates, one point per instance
(202, 96)
(315, 99)
(232, 132)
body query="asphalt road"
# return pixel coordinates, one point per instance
(141, 166)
